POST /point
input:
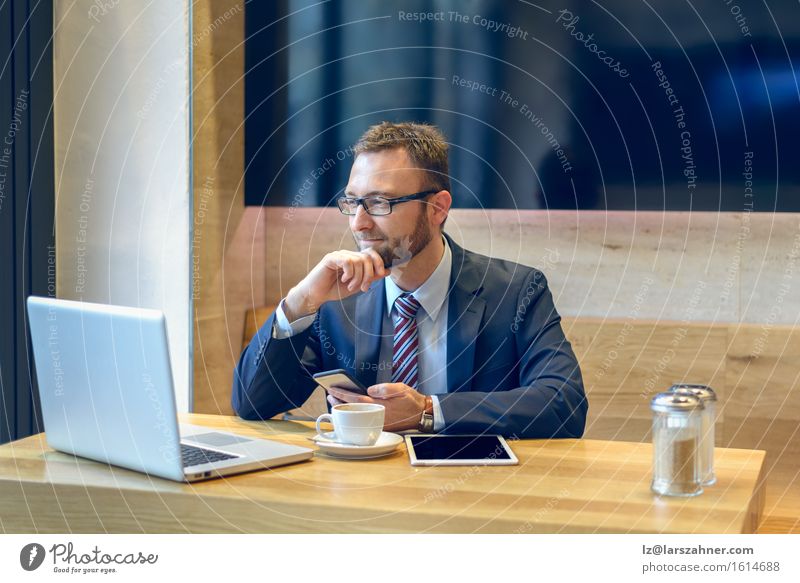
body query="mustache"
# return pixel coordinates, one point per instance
(392, 252)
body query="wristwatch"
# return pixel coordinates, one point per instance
(426, 421)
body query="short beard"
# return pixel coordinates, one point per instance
(399, 250)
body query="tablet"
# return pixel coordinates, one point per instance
(459, 450)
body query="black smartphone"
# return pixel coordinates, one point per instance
(340, 378)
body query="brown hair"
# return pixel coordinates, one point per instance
(425, 144)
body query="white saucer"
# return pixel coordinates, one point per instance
(386, 444)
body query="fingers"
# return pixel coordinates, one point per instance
(333, 400)
(368, 273)
(349, 396)
(388, 390)
(358, 274)
(360, 269)
(347, 269)
(339, 275)
(378, 268)
(350, 264)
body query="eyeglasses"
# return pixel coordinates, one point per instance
(377, 205)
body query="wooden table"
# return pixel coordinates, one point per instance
(559, 486)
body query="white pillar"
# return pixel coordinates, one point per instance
(122, 161)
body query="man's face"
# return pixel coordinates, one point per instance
(398, 236)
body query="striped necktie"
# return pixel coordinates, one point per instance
(404, 355)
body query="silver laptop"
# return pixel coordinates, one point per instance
(107, 394)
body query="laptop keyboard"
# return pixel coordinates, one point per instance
(194, 456)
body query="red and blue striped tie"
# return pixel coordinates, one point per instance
(404, 357)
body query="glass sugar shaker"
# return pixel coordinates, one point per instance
(677, 422)
(709, 399)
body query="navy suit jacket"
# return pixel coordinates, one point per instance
(510, 370)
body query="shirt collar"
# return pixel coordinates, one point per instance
(433, 291)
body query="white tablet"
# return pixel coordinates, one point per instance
(459, 450)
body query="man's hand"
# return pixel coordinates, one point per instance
(404, 405)
(339, 275)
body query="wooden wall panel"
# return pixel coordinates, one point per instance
(763, 372)
(692, 267)
(228, 242)
(625, 363)
(763, 411)
(770, 256)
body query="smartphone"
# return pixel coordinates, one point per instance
(340, 378)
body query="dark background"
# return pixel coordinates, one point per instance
(319, 73)
(27, 252)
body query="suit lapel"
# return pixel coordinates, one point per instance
(368, 332)
(464, 317)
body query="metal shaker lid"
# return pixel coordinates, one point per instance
(675, 403)
(702, 392)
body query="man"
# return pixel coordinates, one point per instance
(446, 339)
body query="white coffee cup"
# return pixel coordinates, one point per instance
(355, 423)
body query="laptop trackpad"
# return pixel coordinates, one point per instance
(217, 439)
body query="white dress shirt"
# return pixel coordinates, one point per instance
(431, 331)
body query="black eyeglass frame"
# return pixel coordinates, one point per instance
(390, 201)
